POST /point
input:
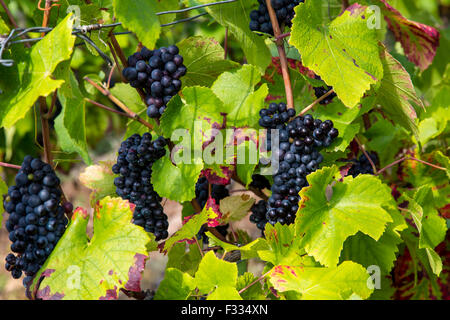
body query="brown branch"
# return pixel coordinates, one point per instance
(102, 106)
(48, 114)
(257, 280)
(413, 159)
(108, 84)
(118, 50)
(46, 18)
(345, 4)
(305, 110)
(366, 120)
(198, 209)
(198, 245)
(361, 147)
(282, 54)
(45, 130)
(282, 36)
(9, 14)
(43, 108)
(196, 206)
(428, 164)
(119, 68)
(119, 103)
(9, 165)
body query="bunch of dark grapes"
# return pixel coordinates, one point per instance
(218, 192)
(258, 216)
(299, 142)
(158, 73)
(260, 182)
(284, 9)
(275, 117)
(320, 91)
(36, 218)
(362, 165)
(134, 165)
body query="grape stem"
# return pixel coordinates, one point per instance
(198, 245)
(213, 230)
(119, 103)
(102, 106)
(118, 50)
(361, 147)
(282, 54)
(282, 36)
(9, 14)
(256, 281)
(345, 4)
(9, 165)
(315, 102)
(413, 159)
(119, 69)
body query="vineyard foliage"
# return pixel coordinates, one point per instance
(377, 234)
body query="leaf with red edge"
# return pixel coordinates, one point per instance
(336, 283)
(220, 175)
(191, 227)
(418, 40)
(397, 95)
(95, 268)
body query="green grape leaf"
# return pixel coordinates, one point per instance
(213, 273)
(36, 72)
(328, 215)
(70, 125)
(95, 268)
(100, 179)
(242, 107)
(204, 60)
(283, 246)
(254, 290)
(139, 16)
(396, 93)
(4, 29)
(248, 251)
(195, 117)
(344, 53)
(184, 260)
(167, 5)
(87, 13)
(432, 228)
(236, 17)
(234, 208)
(176, 285)
(381, 134)
(175, 182)
(444, 160)
(344, 120)
(224, 293)
(131, 98)
(337, 283)
(189, 230)
(366, 251)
